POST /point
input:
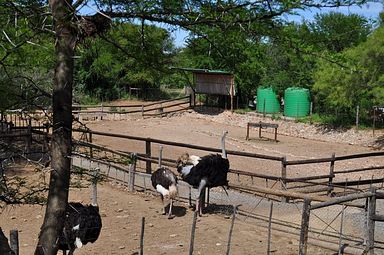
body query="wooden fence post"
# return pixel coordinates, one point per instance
(90, 141)
(331, 174)
(142, 236)
(29, 135)
(371, 223)
(284, 177)
(14, 241)
(231, 229)
(191, 243)
(374, 121)
(357, 117)
(304, 226)
(132, 172)
(148, 154)
(94, 180)
(340, 252)
(270, 229)
(160, 155)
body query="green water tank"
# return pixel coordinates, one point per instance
(267, 101)
(296, 102)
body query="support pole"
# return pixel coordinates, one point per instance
(270, 229)
(132, 170)
(331, 174)
(90, 148)
(304, 226)
(341, 232)
(371, 223)
(142, 236)
(160, 155)
(284, 177)
(231, 230)
(148, 154)
(357, 117)
(191, 243)
(95, 179)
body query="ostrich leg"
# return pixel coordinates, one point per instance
(163, 212)
(170, 216)
(202, 185)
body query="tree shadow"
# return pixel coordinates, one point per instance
(216, 209)
(379, 143)
(179, 211)
(329, 128)
(206, 110)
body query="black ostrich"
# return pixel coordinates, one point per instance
(82, 225)
(206, 172)
(165, 182)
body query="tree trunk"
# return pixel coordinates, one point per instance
(62, 128)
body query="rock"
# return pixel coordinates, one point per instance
(122, 247)
(173, 235)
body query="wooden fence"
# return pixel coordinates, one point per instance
(325, 181)
(18, 127)
(328, 179)
(146, 110)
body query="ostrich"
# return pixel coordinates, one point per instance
(208, 171)
(82, 225)
(165, 182)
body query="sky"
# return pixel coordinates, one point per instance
(369, 10)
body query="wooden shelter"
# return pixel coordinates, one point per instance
(213, 82)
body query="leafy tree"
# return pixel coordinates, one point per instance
(359, 81)
(26, 56)
(128, 55)
(293, 51)
(69, 27)
(336, 31)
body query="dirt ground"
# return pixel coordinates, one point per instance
(122, 211)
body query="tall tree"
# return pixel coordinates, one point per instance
(129, 55)
(359, 81)
(336, 31)
(67, 28)
(66, 38)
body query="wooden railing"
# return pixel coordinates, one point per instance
(326, 180)
(148, 109)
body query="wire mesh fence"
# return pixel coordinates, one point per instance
(333, 228)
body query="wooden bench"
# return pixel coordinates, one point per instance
(261, 125)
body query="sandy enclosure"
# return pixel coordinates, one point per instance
(122, 211)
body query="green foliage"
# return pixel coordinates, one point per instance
(358, 82)
(336, 31)
(128, 56)
(26, 57)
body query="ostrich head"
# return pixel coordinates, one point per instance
(182, 161)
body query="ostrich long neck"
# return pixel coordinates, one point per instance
(224, 153)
